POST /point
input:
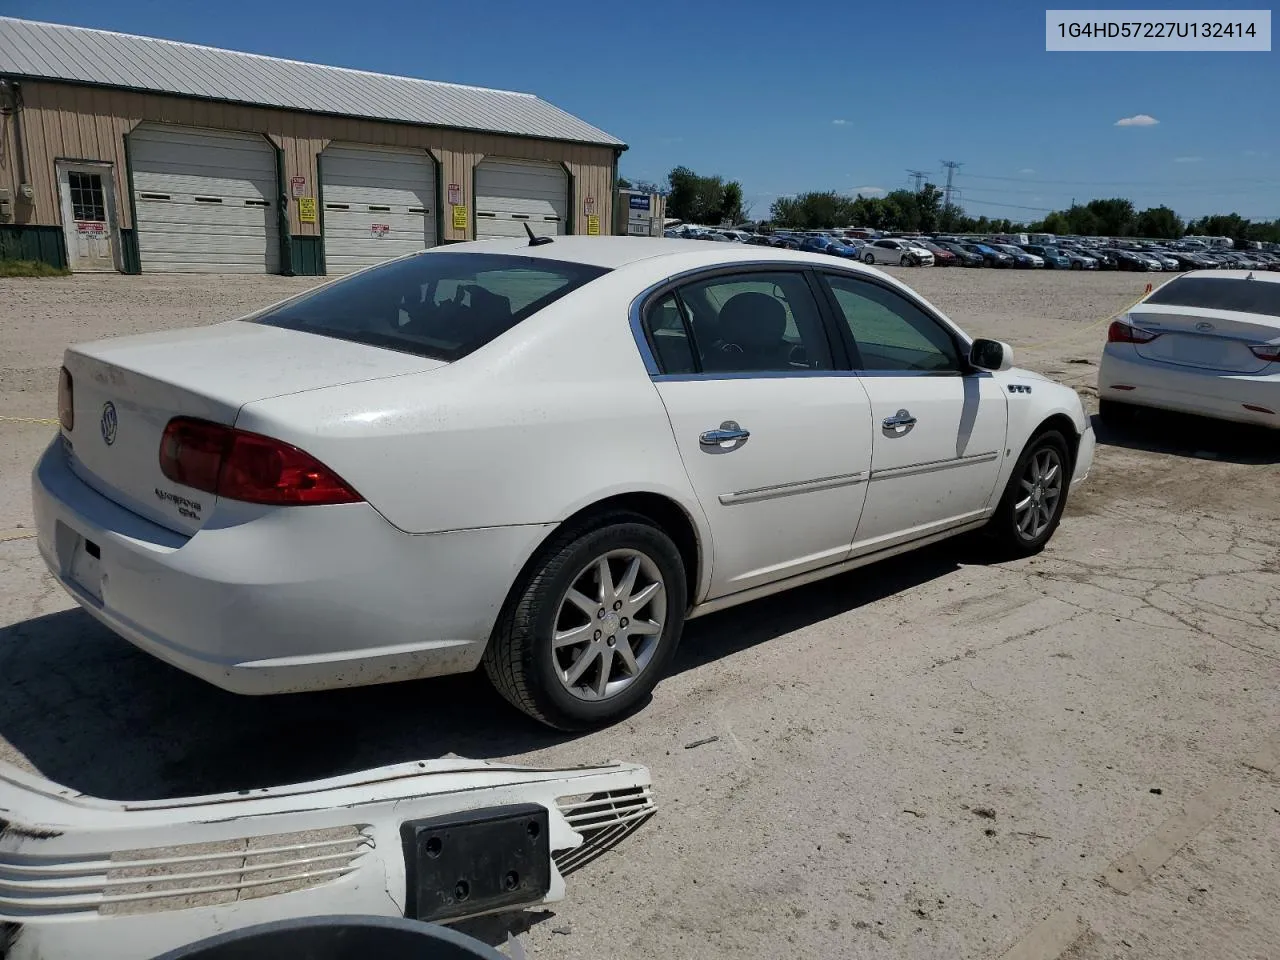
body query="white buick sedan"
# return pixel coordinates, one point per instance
(543, 457)
(1207, 342)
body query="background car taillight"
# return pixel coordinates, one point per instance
(1121, 332)
(66, 408)
(247, 466)
(1267, 351)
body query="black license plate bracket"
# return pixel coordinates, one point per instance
(475, 861)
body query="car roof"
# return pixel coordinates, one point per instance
(1241, 274)
(614, 252)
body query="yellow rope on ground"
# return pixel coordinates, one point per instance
(51, 421)
(1087, 326)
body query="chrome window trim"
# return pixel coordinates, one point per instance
(791, 489)
(641, 302)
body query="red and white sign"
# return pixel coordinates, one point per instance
(298, 186)
(589, 206)
(90, 226)
(455, 195)
(379, 229)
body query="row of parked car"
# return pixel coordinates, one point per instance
(945, 250)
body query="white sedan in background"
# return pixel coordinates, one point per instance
(904, 253)
(541, 457)
(1207, 342)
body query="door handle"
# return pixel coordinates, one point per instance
(728, 432)
(900, 422)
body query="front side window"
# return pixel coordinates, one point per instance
(755, 322)
(439, 305)
(890, 332)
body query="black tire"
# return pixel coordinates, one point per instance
(520, 661)
(1077, 265)
(869, 259)
(1003, 528)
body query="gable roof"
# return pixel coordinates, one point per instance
(47, 51)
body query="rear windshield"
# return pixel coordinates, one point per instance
(1221, 293)
(438, 305)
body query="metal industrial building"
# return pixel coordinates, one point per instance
(135, 154)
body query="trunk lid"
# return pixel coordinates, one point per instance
(1206, 338)
(126, 390)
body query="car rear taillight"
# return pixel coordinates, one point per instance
(66, 406)
(1121, 332)
(1267, 351)
(247, 466)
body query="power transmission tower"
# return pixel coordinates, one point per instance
(952, 166)
(918, 176)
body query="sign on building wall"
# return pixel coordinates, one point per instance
(455, 194)
(306, 209)
(589, 206)
(298, 186)
(593, 226)
(459, 217)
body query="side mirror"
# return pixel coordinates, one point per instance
(991, 355)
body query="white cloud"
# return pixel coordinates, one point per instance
(1256, 153)
(871, 191)
(1026, 170)
(1187, 159)
(1137, 120)
(838, 123)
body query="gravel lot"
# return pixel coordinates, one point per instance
(933, 757)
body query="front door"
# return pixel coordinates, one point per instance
(775, 441)
(938, 427)
(88, 216)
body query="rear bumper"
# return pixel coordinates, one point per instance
(277, 600)
(1206, 393)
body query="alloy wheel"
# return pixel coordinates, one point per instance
(1041, 488)
(609, 624)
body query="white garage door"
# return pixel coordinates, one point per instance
(512, 193)
(206, 200)
(379, 203)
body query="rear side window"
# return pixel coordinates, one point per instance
(439, 305)
(1221, 293)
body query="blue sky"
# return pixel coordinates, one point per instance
(834, 95)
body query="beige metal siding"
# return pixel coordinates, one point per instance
(66, 121)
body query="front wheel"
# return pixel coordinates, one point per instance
(869, 259)
(592, 628)
(1033, 501)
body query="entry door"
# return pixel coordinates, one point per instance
(776, 444)
(938, 426)
(88, 216)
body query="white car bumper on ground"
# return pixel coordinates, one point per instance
(275, 600)
(1243, 398)
(84, 877)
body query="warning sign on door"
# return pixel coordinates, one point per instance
(379, 229)
(459, 218)
(306, 209)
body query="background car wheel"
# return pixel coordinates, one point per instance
(1077, 265)
(869, 259)
(591, 629)
(1033, 501)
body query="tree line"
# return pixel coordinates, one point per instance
(714, 200)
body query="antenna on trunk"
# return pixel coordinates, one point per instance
(535, 241)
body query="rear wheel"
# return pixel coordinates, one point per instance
(1115, 413)
(1032, 505)
(593, 627)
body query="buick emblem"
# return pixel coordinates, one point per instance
(1204, 325)
(108, 423)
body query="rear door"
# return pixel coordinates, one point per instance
(775, 440)
(938, 428)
